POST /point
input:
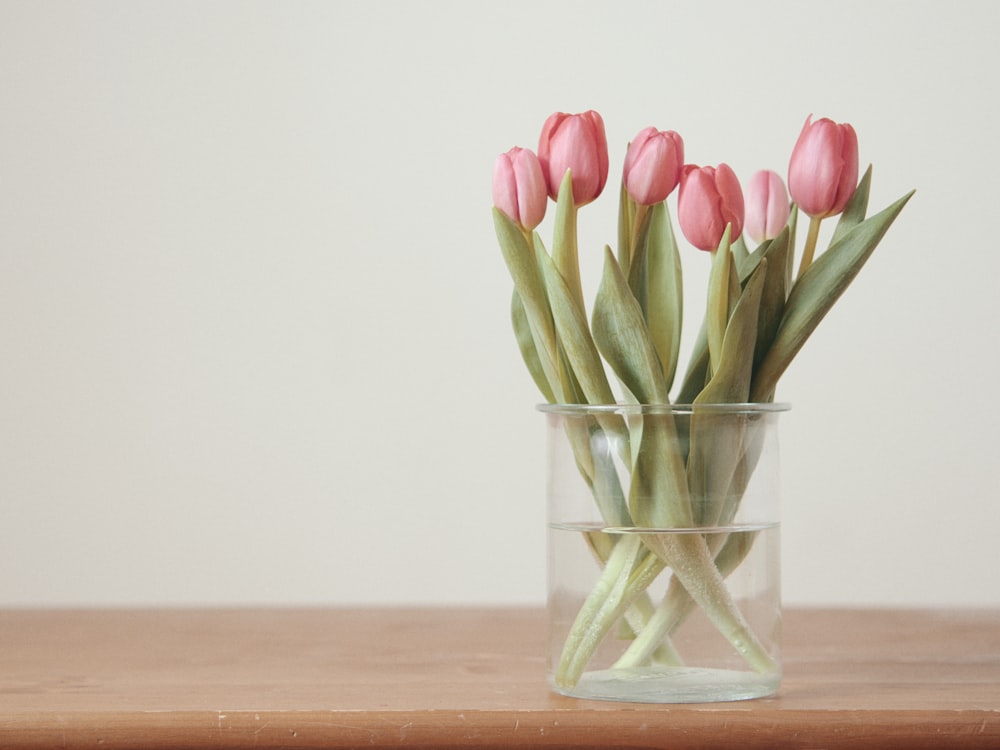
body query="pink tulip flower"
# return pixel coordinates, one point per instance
(823, 170)
(767, 206)
(710, 198)
(519, 188)
(576, 143)
(653, 165)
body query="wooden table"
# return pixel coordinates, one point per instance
(467, 677)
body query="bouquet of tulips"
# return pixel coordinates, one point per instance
(761, 309)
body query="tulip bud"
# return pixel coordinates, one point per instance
(519, 188)
(823, 170)
(653, 165)
(576, 143)
(710, 198)
(767, 206)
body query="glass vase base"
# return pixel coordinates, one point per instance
(671, 685)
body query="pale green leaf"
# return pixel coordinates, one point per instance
(526, 345)
(564, 241)
(717, 316)
(621, 336)
(697, 372)
(665, 296)
(856, 209)
(730, 381)
(523, 266)
(816, 291)
(574, 336)
(772, 302)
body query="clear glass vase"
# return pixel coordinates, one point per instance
(664, 555)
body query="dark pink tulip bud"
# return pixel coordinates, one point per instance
(519, 188)
(576, 143)
(823, 170)
(767, 206)
(653, 165)
(710, 198)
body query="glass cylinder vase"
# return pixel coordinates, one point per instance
(664, 556)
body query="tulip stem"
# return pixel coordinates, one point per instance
(640, 216)
(810, 249)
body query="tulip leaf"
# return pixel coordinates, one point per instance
(715, 451)
(740, 251)
(664, 295)
(658, 494)
(521, 261)
(816, 291)
(718, 299)
(622, 337)
(731, 377)
(697, 372)
(637, 274)
(574, 336)
(772, 301)
(793, 221)
(856, 208)
(564, 241)
(526, 344)
(626, 219)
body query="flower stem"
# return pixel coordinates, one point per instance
(677, 604)
(689, 557)
(625, 575)
(640, 216)
(810, 249)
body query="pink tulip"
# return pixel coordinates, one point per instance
(653, 165)
(576, 143)
(710, 198)
(823, 170)
(767, 206)
(519, 188)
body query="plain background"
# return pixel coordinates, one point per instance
(254, 344)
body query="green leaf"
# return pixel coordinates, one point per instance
(637, 274)
(746, 265)
(856, 209)
(816, 291)
(716, 439)
(717, 315)
(793, 221)
(564, 243)
(526, 344)
(574, 336)
(697, 372)
(730, 381)
(740, 251)
(626, 219)
(665, 295)
(658, 494)
(621, 336)
(523, 266)
(772, 301)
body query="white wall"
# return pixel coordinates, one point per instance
(253, 321)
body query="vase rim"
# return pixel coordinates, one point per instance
(721, 408)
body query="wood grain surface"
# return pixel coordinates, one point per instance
(331, 678)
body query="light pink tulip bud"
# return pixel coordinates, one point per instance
(710, 198)
(653, 165)
(767, 206)
(823, 170)
(576, 143)
(519, 188)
